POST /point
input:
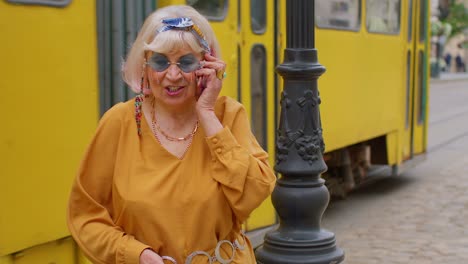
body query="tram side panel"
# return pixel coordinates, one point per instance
(363, 91)
(49, 84)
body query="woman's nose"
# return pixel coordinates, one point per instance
(173, 72)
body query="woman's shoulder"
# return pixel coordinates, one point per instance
(228, 109)
(119, 113)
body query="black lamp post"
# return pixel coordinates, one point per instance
(300, 196)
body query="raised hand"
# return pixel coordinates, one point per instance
(210, 77)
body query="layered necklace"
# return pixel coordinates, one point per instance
(155, 127)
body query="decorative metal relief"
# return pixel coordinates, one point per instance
(307, 137)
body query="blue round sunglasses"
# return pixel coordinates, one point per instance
(187, 63)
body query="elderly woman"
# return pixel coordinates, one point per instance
(171, 174)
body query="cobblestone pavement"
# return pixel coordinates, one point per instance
(420, 216)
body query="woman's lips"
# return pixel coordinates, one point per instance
(174, 90)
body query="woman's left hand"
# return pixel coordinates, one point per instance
(210, 76)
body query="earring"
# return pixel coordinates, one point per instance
(139, 101)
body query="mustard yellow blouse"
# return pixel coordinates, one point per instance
(131, 193)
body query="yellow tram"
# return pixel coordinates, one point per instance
(60, 71)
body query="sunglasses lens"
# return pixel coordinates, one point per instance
(188, 63)
(159, 62)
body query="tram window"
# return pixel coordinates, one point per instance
(258, 94)
(408, 88)
(258, 16)
(383, 16)
(422, 21)
(239, 13)
(211, 9)
(338, 14)
(410, 20)
(239, 80)
(56, 3)
(421, 88)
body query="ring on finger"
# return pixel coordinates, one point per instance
(221, 74)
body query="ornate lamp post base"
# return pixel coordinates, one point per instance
(303, 253)
(294, 243)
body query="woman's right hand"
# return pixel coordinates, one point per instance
(148, 256)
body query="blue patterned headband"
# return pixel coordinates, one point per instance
(185, 23)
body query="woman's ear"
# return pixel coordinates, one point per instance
(145, 84)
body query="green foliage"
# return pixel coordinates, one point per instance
(439, 28)
(457, 18)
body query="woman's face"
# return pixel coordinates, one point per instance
(171, 77)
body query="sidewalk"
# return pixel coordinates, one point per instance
(452, 76)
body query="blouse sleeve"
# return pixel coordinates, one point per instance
(240, 165)
(90, 208)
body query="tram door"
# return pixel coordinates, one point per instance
(257, 92)
(417, 84)
(245, 32)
